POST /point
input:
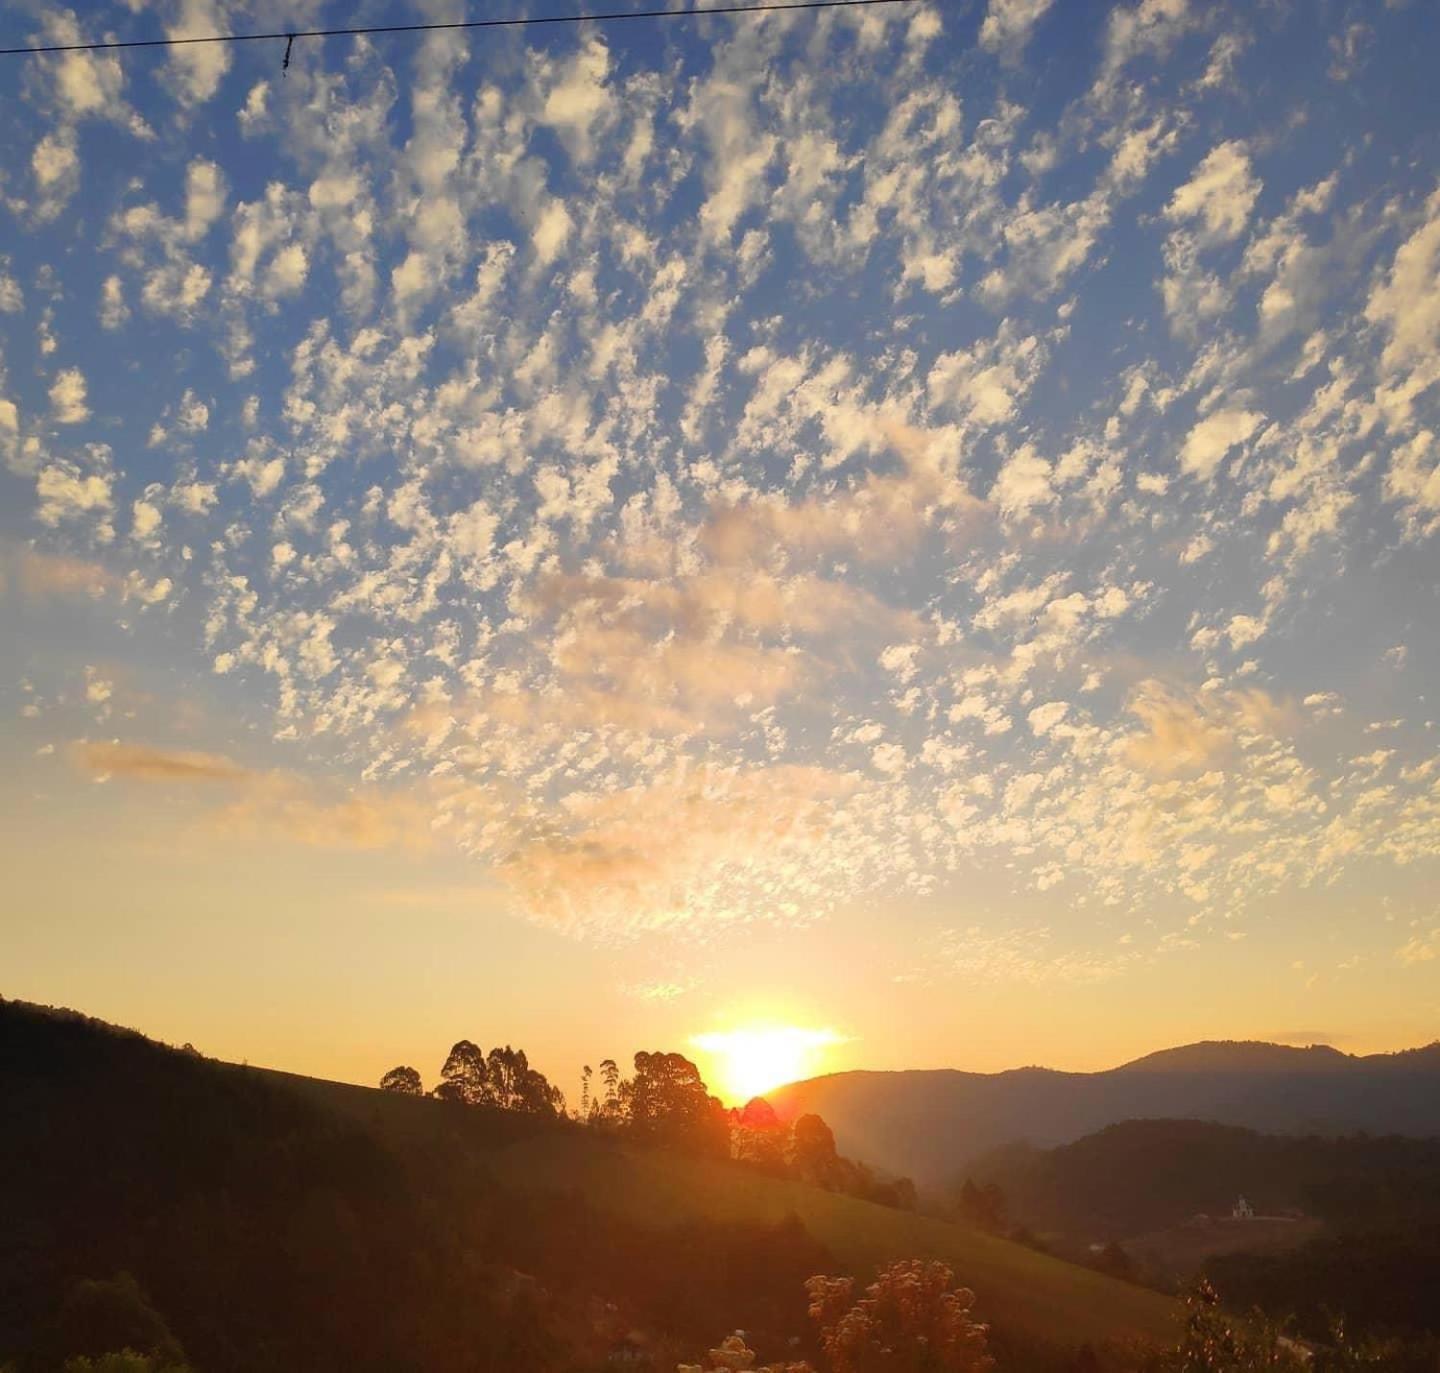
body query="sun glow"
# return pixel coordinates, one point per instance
(754, 1060)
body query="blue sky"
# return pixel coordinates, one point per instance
(950, 486)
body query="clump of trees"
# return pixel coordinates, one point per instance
(665, 1103)
(1384, 1281)
(668, 1103)
(503, 1078)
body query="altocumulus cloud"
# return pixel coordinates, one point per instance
(714, 474)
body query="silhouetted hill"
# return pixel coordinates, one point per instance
(928, 1124)
(282, 1222)
(1240, 1056)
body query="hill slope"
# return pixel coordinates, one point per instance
(929, 1124)
(310, 1224)
(1019, 1288)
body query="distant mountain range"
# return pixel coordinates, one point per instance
(928, 1124)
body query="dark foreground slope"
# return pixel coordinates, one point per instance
(930, 1124)
(287, 1223)
(268, 1232)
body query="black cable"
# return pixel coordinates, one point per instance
(763, 8)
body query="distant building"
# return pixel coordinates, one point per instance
(1242, 1210)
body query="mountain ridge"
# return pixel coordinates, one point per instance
(927, 1123)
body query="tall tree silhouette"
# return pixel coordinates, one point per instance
(465, 1076)
(813, 1152)
(667, 1102)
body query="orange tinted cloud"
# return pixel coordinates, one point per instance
(697, 849)
(272, 804)
(142, 763)
(1186, 729)
(880, 517)
(46, 576)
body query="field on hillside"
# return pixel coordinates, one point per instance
(1015, 1286)
(1181, 1249)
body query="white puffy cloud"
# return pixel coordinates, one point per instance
(1220, 194)
(1407, 300)
(579, 104)
(68, 403)
(1213, 438)
(197, 68)
(1007, 24)
(1023, 482)
(67, 493)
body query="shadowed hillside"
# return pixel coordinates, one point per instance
(1021, 1287)
(929, 1124)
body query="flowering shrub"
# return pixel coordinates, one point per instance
(911, 1319)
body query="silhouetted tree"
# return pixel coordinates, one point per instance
(513, 1085)
(610, 1077)
(465, 1076)
(758, 1114)
(759, 1137)
(813, 1152)
(404, 1080)
(667, 1102)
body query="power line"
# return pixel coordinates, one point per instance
(601, 18)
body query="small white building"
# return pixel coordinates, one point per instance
(1242, 1210)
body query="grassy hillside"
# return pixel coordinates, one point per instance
(1017, 1287)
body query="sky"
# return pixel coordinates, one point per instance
(918, 524)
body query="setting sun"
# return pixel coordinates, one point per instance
(750, 1062)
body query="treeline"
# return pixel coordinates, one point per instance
(503, 1078)
(1387, 1282)
(665, 1104)
(1143, 1175)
